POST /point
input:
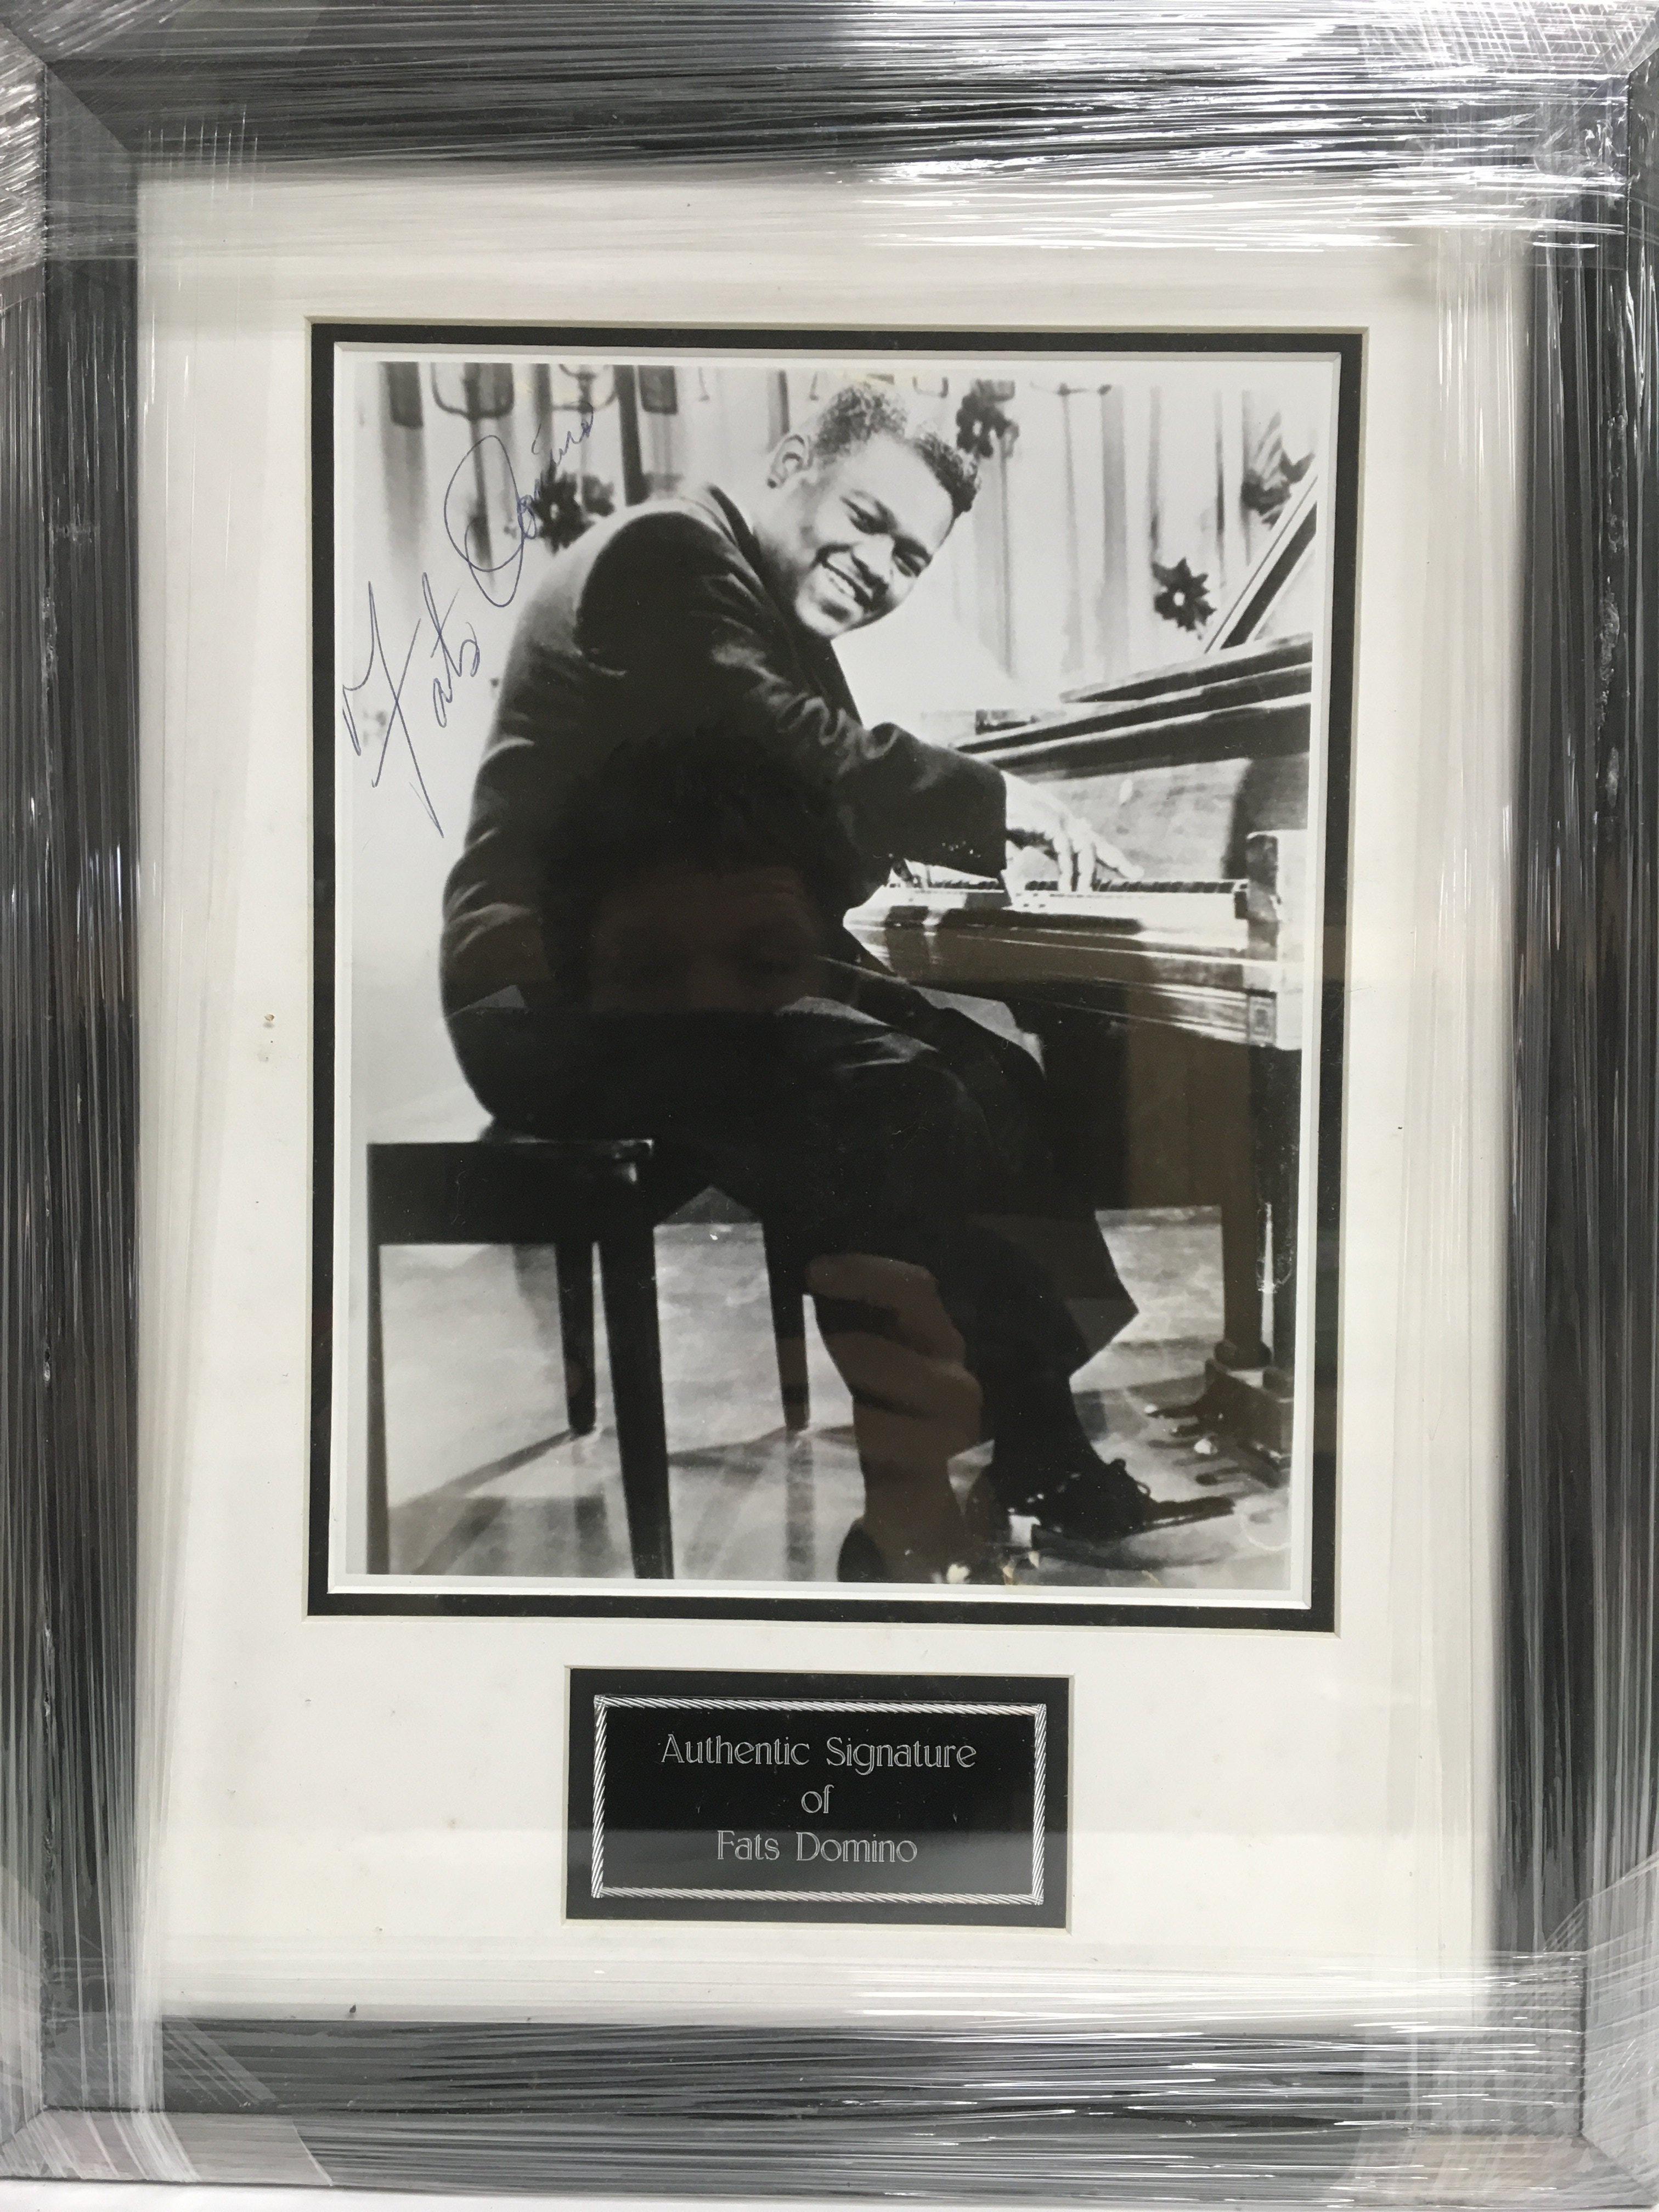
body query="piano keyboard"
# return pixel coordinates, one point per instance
(1187, 906)
(1179, 952)
(1044, 898)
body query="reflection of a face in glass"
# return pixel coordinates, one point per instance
(683, 939)
(686, 939)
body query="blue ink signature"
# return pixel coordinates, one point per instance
(572, 438)
(456, 662)
(463, 529)
(462, 657)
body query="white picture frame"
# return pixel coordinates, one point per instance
(375, 1804)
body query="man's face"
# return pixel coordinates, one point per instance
(845, 539)
(687, 940)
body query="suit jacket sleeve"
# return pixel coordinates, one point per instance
(673, 608)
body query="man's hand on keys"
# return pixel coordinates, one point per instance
(1081, 857)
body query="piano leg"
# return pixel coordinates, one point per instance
(1276, 1087)
(1150, 1116)
(1231, 1128)
(1249, 1383)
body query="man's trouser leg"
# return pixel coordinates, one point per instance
(841, 1130)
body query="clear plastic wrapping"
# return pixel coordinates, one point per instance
(1362, 1914)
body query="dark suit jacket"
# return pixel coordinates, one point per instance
(660, 617)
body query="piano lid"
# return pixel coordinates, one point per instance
(1280, 562)
(1246, 702)
(1235, 701)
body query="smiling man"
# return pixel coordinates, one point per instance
(690, 612)
(673, 716)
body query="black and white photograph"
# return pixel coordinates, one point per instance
(829, 936)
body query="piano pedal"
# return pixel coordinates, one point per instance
(1200, 1426)
(1185, 1410)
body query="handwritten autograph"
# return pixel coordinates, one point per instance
(572, 438)
(457, 650)
(473, 535)
(472, 538)
(396, 716)
(456, 663)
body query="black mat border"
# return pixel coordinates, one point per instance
(627, 1600)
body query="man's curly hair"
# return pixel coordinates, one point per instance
(860, 413)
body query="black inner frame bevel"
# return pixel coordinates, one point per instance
(623, 1598)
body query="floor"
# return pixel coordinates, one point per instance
(485, 1479)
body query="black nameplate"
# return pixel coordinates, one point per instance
(740, 1796)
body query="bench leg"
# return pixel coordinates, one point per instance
(379, 1517)
(628, 1283)
(786, 1280)
(574, 1259)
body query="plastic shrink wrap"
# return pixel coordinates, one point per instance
(181, 187)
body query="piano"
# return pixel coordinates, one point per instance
(1170, 1011)
(1221, 958)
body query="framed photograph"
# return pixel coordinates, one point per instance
(867, 971)
(1055, 630)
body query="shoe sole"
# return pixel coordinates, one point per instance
(1084, 1548)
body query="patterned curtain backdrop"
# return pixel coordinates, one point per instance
(1119, 514)
(1114, 521)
